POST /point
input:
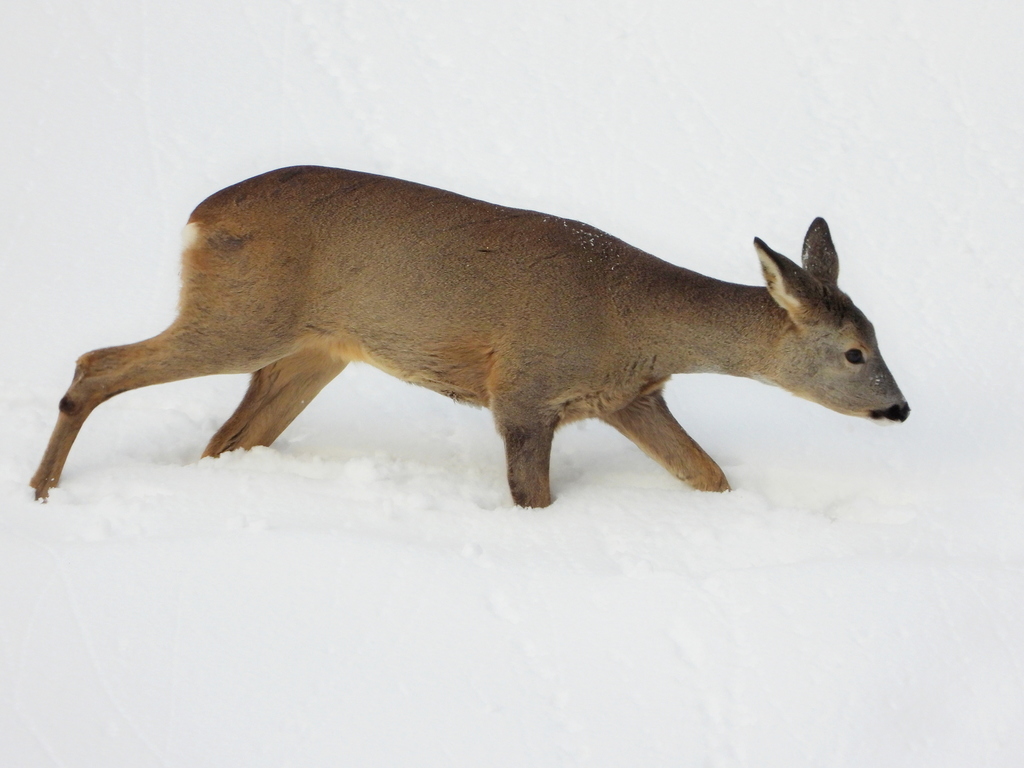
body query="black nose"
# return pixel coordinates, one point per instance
(898, 412)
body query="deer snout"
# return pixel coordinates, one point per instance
(897, 412)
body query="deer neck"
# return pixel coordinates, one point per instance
(704, 325)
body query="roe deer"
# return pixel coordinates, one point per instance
(293, 274)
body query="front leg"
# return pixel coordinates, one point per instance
(648, 422)
(528, 456)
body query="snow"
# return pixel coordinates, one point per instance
(363, 592)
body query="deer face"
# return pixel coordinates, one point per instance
(829, 353)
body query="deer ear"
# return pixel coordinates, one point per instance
(790, 286)
(819, 254)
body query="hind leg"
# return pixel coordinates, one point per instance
(277, 394)
(177, 353)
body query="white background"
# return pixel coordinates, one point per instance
(363, 592)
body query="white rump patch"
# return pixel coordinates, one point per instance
(190, 235)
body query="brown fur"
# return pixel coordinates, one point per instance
(291, 275)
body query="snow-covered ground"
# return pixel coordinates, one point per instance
(363, 592)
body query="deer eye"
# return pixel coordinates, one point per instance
(855, 356)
